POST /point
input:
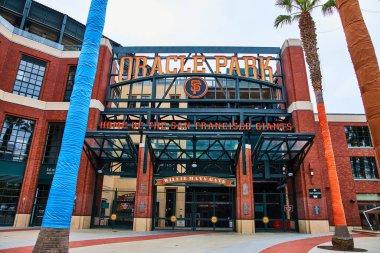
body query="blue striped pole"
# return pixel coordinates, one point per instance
(62, 193)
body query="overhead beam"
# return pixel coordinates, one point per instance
(194, 49)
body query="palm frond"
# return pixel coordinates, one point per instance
(296, 17)
(302, 4)
(329, 7)
(286, 4)
(283, 20)
(311, 4)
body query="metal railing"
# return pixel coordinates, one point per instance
(366, 217)
(29, 35)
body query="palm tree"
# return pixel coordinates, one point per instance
(365, 63)
(300, 10)
(55, 229)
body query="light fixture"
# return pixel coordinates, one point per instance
(194, 165)
(100, 171)
(290, 174)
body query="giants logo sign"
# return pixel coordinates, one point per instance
(195, 87)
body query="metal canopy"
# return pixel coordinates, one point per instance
(113, 153)
(194, 153)
(282, 147)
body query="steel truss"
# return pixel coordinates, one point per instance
(111, 153)
(282, 148)
(230, 98)
(229, 95)
(195, 153)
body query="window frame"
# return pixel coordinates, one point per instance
(174, 96)
(360, 165)
(66, 97)
(45, 157)
(23, 83)
(360, 137)
(132, 104)
(145, 97)
(22, 146)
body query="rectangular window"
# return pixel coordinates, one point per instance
(364, 167)
(70, 83)
(132, 104)
(29, 77)
(15, 139)
(53, 143)
(174, 104)
(9, 194)
(144, 104)
(358, 136)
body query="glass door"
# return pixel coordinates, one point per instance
(194, 208)
(274, 208)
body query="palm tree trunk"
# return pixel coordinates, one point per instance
(365, 63)
(342, 239)
(54, 234)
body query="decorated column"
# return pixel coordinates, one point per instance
(144, 192)
(245, 222)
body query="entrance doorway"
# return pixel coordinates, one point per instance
(114, 208)
(194, 208)
(274, 207)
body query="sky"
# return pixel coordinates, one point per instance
(234, 23)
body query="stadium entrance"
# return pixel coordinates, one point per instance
(194, 208)
(202, 137)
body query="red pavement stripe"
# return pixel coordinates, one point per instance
(18, 229)
(85, 243)
(302, 245)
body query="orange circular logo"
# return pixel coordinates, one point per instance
(195, 87)
(214, 219)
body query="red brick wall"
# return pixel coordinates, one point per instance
(53, 89)
(246, 179)
(56, 72)
(349, 186)
(297, 90)
(57, 69)
(144, 187)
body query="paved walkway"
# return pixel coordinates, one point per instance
(102, 240)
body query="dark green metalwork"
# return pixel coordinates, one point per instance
(282, 148)
(194, 49)
(112, 153)
(194, 153)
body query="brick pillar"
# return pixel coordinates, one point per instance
(29, 184)
(98, 199)
(301, 108)
(144, 192)
(245, 222)
(81, 218)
